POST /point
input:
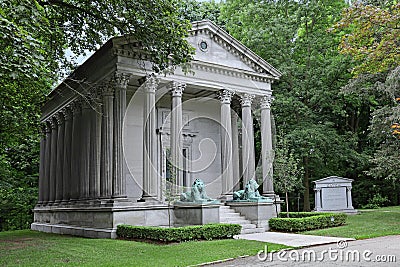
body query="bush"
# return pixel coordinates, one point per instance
(305, 221)
(376, 202)
(178, 234)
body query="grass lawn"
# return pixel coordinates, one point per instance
(368, 224)
(30, 248)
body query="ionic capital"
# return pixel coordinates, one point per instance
(246, 100)
(176, 88)
(225, 96)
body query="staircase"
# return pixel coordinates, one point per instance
(229, 215)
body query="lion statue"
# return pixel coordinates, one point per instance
(250, 192)
(197, 194)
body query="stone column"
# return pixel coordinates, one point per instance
(95, 148)
(53, 160)
(42, 164)
(248, 153)
(225, 96)
(76, 151)
(349, 200)
(235, 151)
(150, 174)
(267, 152)
(107, 139)
(176, 132)
(317, 199)
(85, 150)
(119, 181)
(60, 157)
(47, 164)
(66, 194)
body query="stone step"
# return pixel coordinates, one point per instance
(235, 221)
(253, 230)
(231, 215)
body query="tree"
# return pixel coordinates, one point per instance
(371, 36)
(286, 170)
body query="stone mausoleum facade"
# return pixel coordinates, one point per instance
(118, 141)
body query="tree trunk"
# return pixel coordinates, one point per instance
(287, 204)
(306, 203)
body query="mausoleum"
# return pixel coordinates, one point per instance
(119, 142)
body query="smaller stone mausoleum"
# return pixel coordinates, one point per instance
(119, 141)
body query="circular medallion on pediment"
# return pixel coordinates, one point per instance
(203, 45)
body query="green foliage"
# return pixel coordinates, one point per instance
(377, 201)
(305, 221)
(371, 37)
(178, 234)
(16, 206)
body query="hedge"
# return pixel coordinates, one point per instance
(178, 234)
(305, 221)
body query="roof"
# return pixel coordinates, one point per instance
(218, 32)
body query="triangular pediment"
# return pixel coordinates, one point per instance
(333, 179)
(216, 46)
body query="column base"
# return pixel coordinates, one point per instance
(226, 197)
(149, 199)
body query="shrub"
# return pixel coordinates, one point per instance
(305, 221)
(376, 202)
(178, 234)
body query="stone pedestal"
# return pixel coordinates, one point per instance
(195, 214)
(257, 213)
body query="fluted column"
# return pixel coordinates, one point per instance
(349, 199)
(248, 153)
(47, 164)
(85, 150)
(95, 148)
(107, 139)
(76, 151)
(150, 176)
(66, 194)
(60, 156)
(317, 199)
(176, 134)
(235, 151)
(119, 182)
(225, 96)
(267, 152)
(53, 160)
(42, 164)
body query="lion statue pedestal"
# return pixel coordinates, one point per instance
(195, 207)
